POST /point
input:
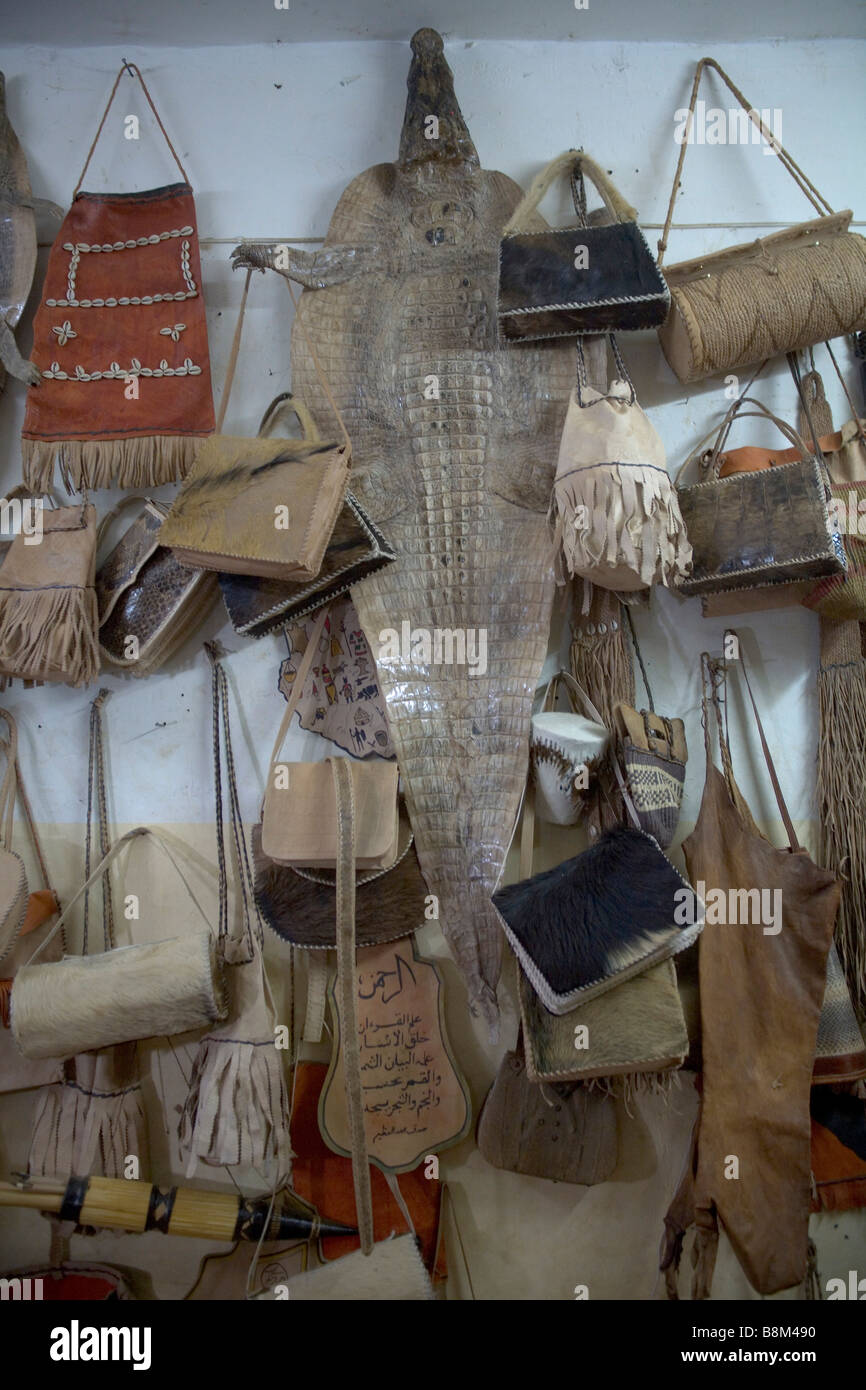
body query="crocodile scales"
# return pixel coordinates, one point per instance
(400, 304)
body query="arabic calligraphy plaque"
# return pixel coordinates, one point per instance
(415, 1100)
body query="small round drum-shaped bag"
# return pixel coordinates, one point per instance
(565, 749)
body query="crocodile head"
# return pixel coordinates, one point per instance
(444, 138)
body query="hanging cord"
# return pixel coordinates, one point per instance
(133, 71)
(804, 184)
(582, 381)
(854, 412)
(96, 796)
(252, 929)
(637, 653)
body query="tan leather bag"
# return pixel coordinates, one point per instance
(299, 813)
(264, 507)
(48, 618)
(776, 294)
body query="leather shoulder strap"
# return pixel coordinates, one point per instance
(783, 809)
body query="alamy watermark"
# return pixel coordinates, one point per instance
(22, 517)
(737, 907)
(715, 126)
(439, 646)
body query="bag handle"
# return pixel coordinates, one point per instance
(347, 987)
(102, 867)
(575, 691)
(305, 419)
(233, 362)
(563, 164)
(133, 71)
(298, 683)
(768, 757)
(721, 432)
(96, 796)
(582, 381)
(818, 201)
(9, 784)
(125, 503)
(240, 951)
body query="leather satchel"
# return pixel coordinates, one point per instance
(776, 294)
(299, 814)
(148, 602)
(300, 904)
(567, 1133)
(754, 528)
(264, 507)
(556, 283)
(257, 606)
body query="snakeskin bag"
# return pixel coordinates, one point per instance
(148, 601)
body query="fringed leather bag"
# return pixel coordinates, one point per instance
(237, 1109)
(618, 520)
(777, 294)
(120, 339)
(635, 1032)
(599, 918)
(264, 507)
(48, 617)
(257, 606)
(148, 602)
(561, 282)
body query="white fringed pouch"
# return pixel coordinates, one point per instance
(155, 989)
(617, 516)
(237, 1108)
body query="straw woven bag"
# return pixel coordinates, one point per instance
(776, 294)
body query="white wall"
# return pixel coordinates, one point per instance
(270, 135)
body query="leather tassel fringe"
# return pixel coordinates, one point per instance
(842, 790)
(49, 634)
(237, 1109)
(101, 463)
(629, 1087)
(618, 515)
(92, 1122)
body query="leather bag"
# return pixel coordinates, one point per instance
(155, 989)
(144, 593)
(564, 750)
(564, 1133)
(599, 918)
(637, 1030)
(587, 279)
(48, 618)
(756, 528)
(260, 506)
(299, 815)
(618, 518)
(257, 606)
(776, 294)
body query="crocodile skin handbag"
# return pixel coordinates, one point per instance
(148, 602)
(758, 526)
